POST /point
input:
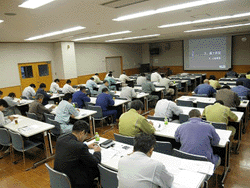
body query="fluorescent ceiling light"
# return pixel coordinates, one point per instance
(166, 9)
(213, 28)
(32, 4)
(104, 35)
(137, 37)
(205, 20)
(1, 21)
(56, 33)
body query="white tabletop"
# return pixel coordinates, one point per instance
(56, 95)
(228, 82)
(185, 176)
(229, 79)
(23, 101)
(28, 127)
(157, 89)
(117, 101)
(138, 94)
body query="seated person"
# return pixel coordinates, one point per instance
(37, 108)
(231, 74)
(12, 105)
(205, 89)
(155, 77)
(96, 78)
(139, 170)
(166, 83)
(104, 100)
(73, 157)
(166, 108)
(196, 137)
(148, 87)
(246, 82)
(67, 88)
(1, 94)
(54, 87)
(213, 82)
(141, 79)
(105, 85)
(248, 75)
(80, 97)
(92, 86)
(111, 81)
(29, 91)
(132, 123)
(64, 111)
(123, 78)
(44, 93)
(128, 93)
(221, 114)
(241, 90)
(229, 98)
(110, 72)
(7, 119)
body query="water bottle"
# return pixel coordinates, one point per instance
(166, 121)
(74, 105)
(97, 137)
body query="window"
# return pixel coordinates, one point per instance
(27, 72)
(43, 70)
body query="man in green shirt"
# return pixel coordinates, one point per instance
(132, 123)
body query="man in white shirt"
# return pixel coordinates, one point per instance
(7, 119)
(155, 77)
(96, 78)
(92, 86)
(166, 83)
(166, 108)
(110, 72)
(123, 78)
(67, 88)
(29, 91)
(128, 93)
(139, 170)
(54, 87)
(12, 105)
(141, 79)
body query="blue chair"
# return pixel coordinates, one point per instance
(183, 118)
(47, 116)
(58, 179)
(156, 118)
(202, 104)
(185, 103)
(163, 147)
(222, 126)
(32, 115)
(57, 130)
(124, 139)
(5, 140)
(184, 155)
(108, 177)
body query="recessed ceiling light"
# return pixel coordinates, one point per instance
(167, 9)
(213, 28)
(32, 4)
(10, 14)
(205, 20)
(56, 33)
(104, 35)
(130, 38)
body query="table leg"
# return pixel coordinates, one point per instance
(227, 162)
(92, 126)
(239, 136)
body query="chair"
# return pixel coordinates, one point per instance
(57, 130)
(32, 115)
(185, 103)
(200, 95)
(183, 118)
(98, 115)
(233, 109)
(87, 104)
(51, 116)
(156, 118)
(108, 177)
(5, 139)
(184, 155)
(22, 145)
(163, 147)
(222, 126)
(124, 139)
(202, 104)
(23, 97)
(243, 97)
(58, 179)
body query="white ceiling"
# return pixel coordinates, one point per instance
(63, 14)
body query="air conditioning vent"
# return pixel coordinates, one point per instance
(122, 3)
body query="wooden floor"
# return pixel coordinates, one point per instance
(14, 175)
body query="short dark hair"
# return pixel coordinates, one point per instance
(82, 88)
(42, 85)
(242, 76)
(3, 103)
(33, 85)
(1, 92)
(110, 74)
(219, 101)
(96, 74)
(163, 75)
(123, 72)
(105, 81)
(80, 125)
(68, 81)
(56, 80)
(12, 94)
(137, 105)
(239, 83)
(194, 113)
(104, 90)
(142, 74)
(212, 77)
(67, 96)
(248, 72)
(39, 96)
(91, 78)
(144, 142)
(230, 69)
(226, 87)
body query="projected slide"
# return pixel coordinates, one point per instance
(207, 54)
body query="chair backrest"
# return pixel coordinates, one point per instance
(202, 104)
(58, 179)
(184, 155)
(200, 95)
(243, 97)
(108, 177)
(222, 126)
(156, 118)
(163, 147)
(51, 116)
(32, 115)
(57, 130)
(17, 141)
(87, 104)
(98, 109)
(5, 139)
(233, 109)
(124, 139)
(185, 103)
(23, 97)
(183, 118)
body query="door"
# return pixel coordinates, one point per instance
(35, 73)
(115, 65)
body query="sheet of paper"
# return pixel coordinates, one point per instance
(48, 105)
(197, 166)
(28, 128)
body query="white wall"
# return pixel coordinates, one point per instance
(58, 62)
(145, 54)
(241, 51)
(13, 53)
(90, 58)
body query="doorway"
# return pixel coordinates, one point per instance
(114, 64)
(35, 73)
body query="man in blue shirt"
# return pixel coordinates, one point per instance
(246, 82)
(80, 97)
(205, 89)
(104, 100)
(92, 86)
(105, 85)
(41, 91)
(241, 90)
(196, 137)
(231, 74)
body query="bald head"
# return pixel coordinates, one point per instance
(206, 81)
